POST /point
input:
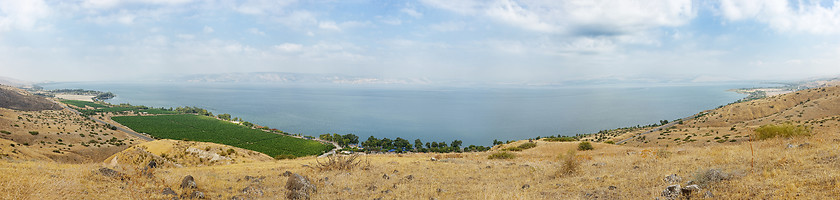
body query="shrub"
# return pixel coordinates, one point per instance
(337, 162)
(528, 145)
(785, 130)
(571, 163)
(6, 132)
(584, 146)
(33, 132)
(560, 139)
(502, 155)
(231, 151)
(610, 142)
(707, 177)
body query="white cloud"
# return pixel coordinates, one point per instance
(208, 29)
(260, 7)
(328, 25)
(392, 21)
(412, 12)
(186, 36)
(256, 31)
(289, 47)
(782, 15)
(586, 17)
(448, 26)
(19, 14)
(108, 4)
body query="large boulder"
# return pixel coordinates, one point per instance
(188, 183)
(299, 187)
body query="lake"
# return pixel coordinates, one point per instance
(442, 114)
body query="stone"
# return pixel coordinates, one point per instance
(409, 177)
(441, 190)
(372, 188)
(708, 195)
(251, 190)
(299, 187)
(152, 164)
(672, 192)
(287, 174)
(168, 191)
(385, 176)
(599, 164)
(112, 173)
(433, 159)
(673, 178)
(193, 195)
(687, 190)
(790, 146)
(188, 183)
(526, 186)
(612, 187)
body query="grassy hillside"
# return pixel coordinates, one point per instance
(207, 129)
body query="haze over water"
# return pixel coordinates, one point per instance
(474, 115)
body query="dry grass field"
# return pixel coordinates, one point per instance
(799, 167)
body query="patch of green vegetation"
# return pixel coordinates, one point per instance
(522, 147)
(33, 132)
(585, 146)
(208, 129)
(6, 132)
(502, 155)
(560, 139)
(82, 104)
(785, 130)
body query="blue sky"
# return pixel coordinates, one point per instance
(497, 41)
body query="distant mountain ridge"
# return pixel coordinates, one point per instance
(280, 77)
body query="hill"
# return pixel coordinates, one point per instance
(16, 99)
(806, 166)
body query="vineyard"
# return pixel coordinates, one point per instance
(208, 129)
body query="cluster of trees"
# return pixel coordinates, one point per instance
(104, 96)
(403, 145)
(195, 110)
(342, 140)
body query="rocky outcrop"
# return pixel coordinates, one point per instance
(299, 187)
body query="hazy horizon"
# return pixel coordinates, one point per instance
(502, 41)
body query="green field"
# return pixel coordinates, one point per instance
(208, 129)
(82, 104)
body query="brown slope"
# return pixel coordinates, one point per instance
(17, 99)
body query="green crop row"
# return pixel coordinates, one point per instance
(208, 129)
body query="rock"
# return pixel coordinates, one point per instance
(599, 164)
(168, 191)
(251, 190)
(385, 176)
(441, 190)
(188, 183)
(409, 177)
(152, 164)
(287, 174)
(386, 191)
(790, 146)
(635, 167)
(433, 159)
(612, 187)
(372, 188)
(709, 195)
(526, 186)
(673, 178)
(195, 194)
(112, 173)
(711, 176)
(488, 167)
(299, 187)
(687, 190)
(395, 171)
(672, 192)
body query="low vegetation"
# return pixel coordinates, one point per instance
(502, 155)
(209, 129)
(785, 130)
(522, 146)
(339, 162)
(585, 146)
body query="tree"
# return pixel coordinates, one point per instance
(418, 145)
(351, 138)
(387, 144)
(456, 144)
(224, 116)
(497, 142)
(428, 145)
(434, 145)
(326, 137)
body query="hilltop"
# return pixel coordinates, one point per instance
(719, 157)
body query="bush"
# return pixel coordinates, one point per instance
(501, 155)
(337, 162)
(785, 130)
(33, 132)
(610, 142)
(571, 163)
(584, 146)
(522, 147)
(560, 139)
(6, 132)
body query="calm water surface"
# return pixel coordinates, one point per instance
(474, 115)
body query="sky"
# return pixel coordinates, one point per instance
(495, 41)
